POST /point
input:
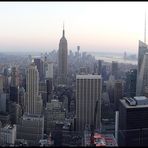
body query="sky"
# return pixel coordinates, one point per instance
(94, 26)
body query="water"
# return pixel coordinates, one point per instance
(113, 57)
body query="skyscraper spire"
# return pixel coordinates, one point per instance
(145, 29)
(63, 30)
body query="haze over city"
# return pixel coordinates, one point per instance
(95, 26)
(73, 74)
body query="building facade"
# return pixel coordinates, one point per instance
(143, 48)
(88, 101)
(31, 128)
(8, 134)
(133, 121)
(130, 85)
(33, 99)
(62, 59)
(114, 69)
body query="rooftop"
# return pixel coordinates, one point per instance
(141, 100)
(136, 102)
(104, 140)
(89, 76)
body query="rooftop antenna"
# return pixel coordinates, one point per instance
(63, 30)
(145, 29)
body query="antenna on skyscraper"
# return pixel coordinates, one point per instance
(145, 29)
(63, 29)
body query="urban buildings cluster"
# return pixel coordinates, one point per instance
(66, 98)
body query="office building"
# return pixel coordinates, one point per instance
(133, 121)
(31, 129)
(142, 81)
(1, 83)
(4, 118)
(118, 93)
(88, 101)
(2, 102)
(48, 69)
(98, 67)
(130, 83)
(14, 83)
(110, 88)
(33, 99)
(143, 48)
(53, 113)
(14, 77)
(40, 66)
(8, 135)
(49, 84)
(114, 69)
(62, 60)
(43, 91)
(6, 85)
(22, 95)
(15, 112)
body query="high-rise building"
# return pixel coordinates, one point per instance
(40, 66)
(118, 93)
(98, 67)
(3, 102)
(15, 112)
(1, 83)
(133, 121)
(14, 77)
(142, 81)
(130, 84)
(34, 100)
(62, 59)
(48, 70)
(14, 85)
(6, 85)
(110, 88)
(22, 100)
(114, 69)
(143, 48)
(43, 91)
(88, 101)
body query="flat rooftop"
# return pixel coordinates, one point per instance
(105, 140)
(89, 76)
(141, 102)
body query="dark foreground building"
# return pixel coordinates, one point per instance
(133, 121)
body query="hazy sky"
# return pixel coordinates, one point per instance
(95, 26)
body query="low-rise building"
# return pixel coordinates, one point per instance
(31, 129)
(8, 134)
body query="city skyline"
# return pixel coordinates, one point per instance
(94, 26)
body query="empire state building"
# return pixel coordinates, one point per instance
(62, 59)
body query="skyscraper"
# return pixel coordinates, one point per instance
(130, 85)
(40, 66)
(98, 67)
(142, 82)
(34, 101)
(88, 101)
(14, 85)
(62, 59)
(115, 69)
(143, 48)
(14, 77)
(118, 93)
(133, 121)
